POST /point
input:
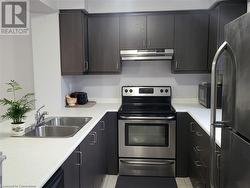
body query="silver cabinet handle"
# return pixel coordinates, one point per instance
(80, 158)
(224, 47)
(192, 127)
(94, 135)
(198, 164)
(176, 64)
(197, 149)
(198, 134)
(218, 156)
(103, 126)
(86, 65)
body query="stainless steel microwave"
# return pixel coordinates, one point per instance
(204, 95)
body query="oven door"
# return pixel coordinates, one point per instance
(147, 138)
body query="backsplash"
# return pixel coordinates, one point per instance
(135, 73)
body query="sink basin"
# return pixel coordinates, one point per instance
(51, 131)
(67, 121)
(57, 127)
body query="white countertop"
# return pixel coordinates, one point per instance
(32, 161)
(201, 115)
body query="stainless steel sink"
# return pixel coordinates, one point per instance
(68, 121)
(51, 131)
(57, 127)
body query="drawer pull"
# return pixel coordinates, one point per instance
(103, 125)
(197, 149)
(94, 135)
(192, 127)
(218, 156)
(80, 157)
(198, 134)
(198, 164)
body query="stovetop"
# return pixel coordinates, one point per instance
(146, 108)
(146, 101)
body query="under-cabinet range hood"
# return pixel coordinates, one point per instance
(145, 55)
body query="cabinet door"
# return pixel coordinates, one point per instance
(132, 32)
(71, 170)
(221, 15)
(112, 142)
(104, 54)
(73, 42)
(101, 153)
(191, 42)
(160, 31)
(88, 170)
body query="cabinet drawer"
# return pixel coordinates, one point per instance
(198, 171)
(200, 142)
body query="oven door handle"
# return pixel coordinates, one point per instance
(148, 162)
(153, 118)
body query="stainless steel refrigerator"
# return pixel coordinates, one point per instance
(235, 143)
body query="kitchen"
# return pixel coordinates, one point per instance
(142, 68)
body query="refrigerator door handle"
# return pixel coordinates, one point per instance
(224, 47)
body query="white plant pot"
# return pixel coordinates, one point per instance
(18, 129)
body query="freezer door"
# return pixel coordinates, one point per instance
(237, 35)
(235, 161)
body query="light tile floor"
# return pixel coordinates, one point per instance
(110, 182)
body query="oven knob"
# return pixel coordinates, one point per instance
(126, 90)
(161, 90)
(166, 90)
(131, 90)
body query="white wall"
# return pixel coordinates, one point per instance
(46, 55)
(16, 64)
(137, 73)
(70, 4)
(103, 6)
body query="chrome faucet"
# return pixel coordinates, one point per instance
(2, 158)
(40, 116)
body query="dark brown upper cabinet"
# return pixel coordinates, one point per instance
(146, 31)
(132, 32)
(73, 42)
(191, 42)
(221, 15)
(104, 51)
(160, 31)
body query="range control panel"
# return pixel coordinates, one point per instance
(154, 91)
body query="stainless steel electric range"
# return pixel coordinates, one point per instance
(147, 132)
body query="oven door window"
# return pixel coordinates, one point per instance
(147, 135)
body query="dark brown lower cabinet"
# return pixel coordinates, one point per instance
(199, 156)
(95, 157)
(193, 154)
(71, 170)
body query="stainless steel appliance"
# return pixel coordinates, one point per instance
(204, 94)
(235, 143)
(2, 158)
(158, 54)
(147, 132)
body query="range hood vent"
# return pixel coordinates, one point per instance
(144, 55)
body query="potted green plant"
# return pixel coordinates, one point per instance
(17, 108)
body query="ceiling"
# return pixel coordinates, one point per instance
(109, 6)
